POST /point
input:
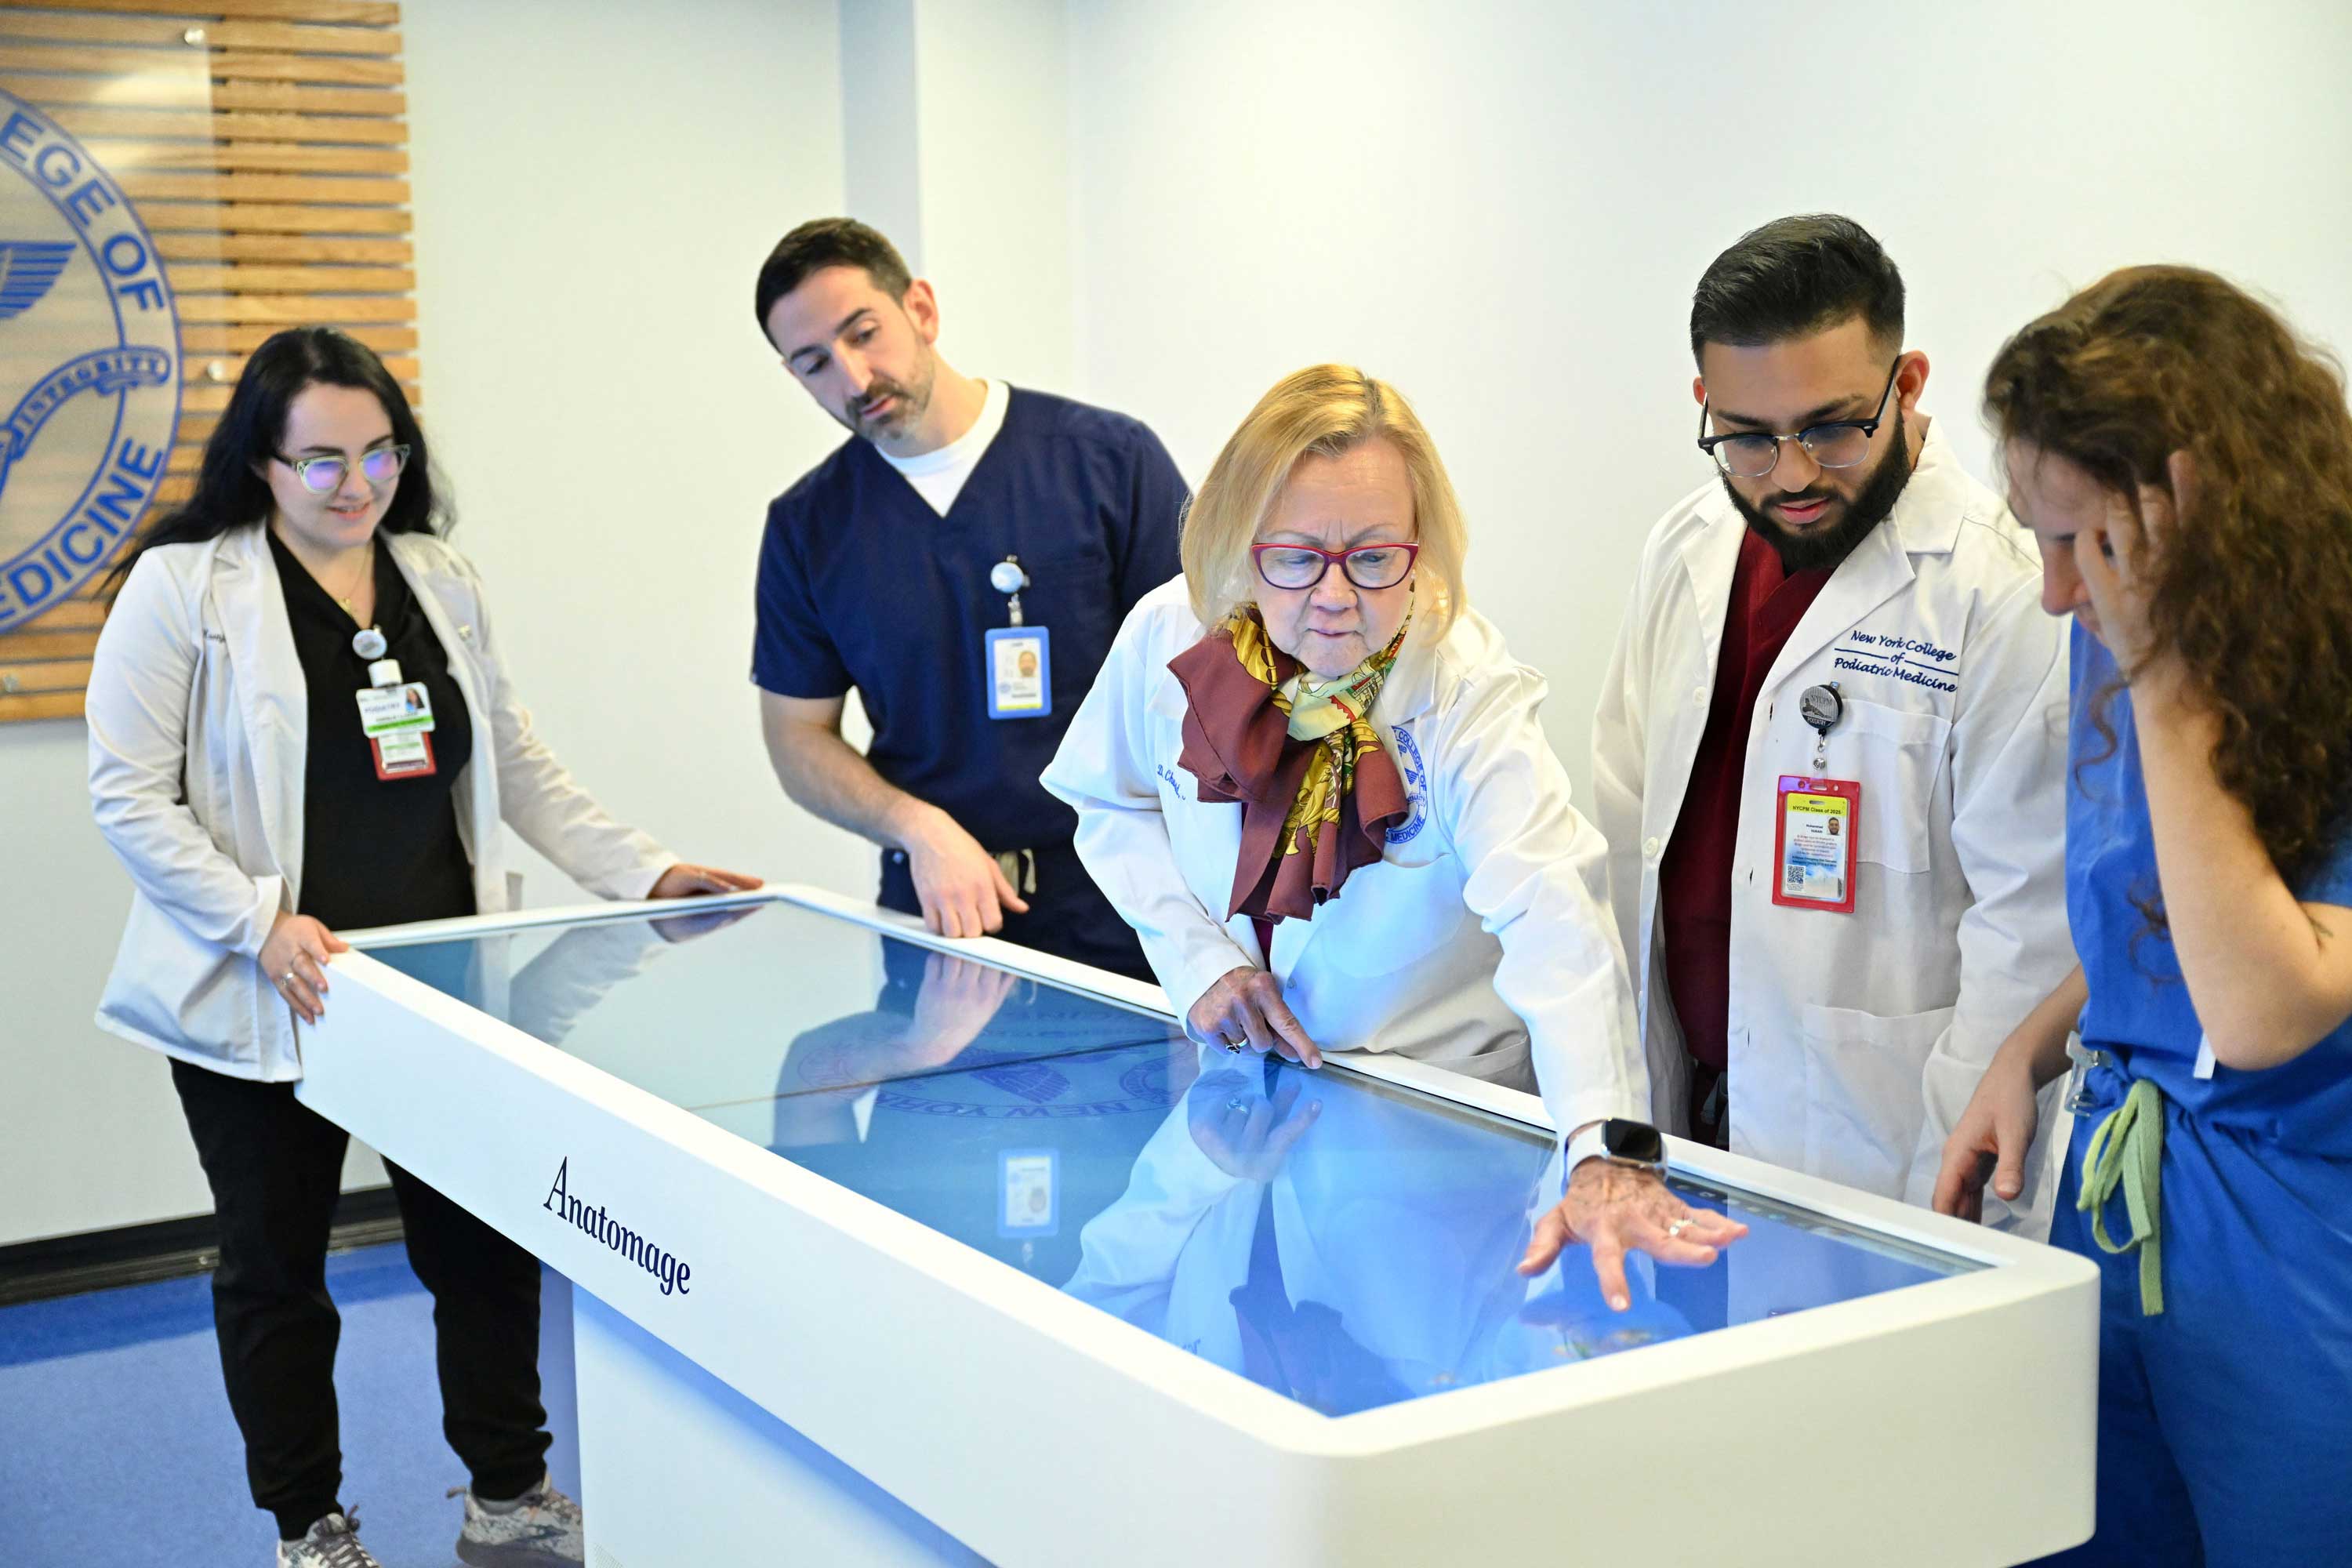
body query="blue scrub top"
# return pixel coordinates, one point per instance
(861, 583)
(2139, 1007)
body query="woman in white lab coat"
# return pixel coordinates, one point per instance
(299, 722)
(1314, 781)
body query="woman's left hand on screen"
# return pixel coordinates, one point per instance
(1623, 1208)
(2117, 559)
(1244, 1011)
(684, 881)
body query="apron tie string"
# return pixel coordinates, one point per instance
(2126, 1149)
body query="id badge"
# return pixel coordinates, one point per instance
(1813, 849)
(1020, 665)
(398, 723)
(1027, 1204)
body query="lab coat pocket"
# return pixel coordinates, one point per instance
(1897, 757)
(1388, 916)
(1864, 1100)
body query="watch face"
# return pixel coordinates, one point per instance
(1635, 1140)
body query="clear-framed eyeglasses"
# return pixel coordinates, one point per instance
(1839, 444)
(324, 476)
(1303, 566)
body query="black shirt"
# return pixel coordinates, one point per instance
(376, 851)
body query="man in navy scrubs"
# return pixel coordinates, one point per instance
(963, 561)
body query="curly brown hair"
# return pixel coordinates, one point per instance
(2254, 592)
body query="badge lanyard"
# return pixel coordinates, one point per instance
(1816, 817)
(1016, 657)
(396, 716)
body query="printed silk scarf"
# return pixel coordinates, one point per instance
(1317, 790)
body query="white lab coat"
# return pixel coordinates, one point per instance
(1856, 1039)
(198, 719)
(1479, 943)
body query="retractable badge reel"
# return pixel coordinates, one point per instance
(1816, 819)
(1017, 657)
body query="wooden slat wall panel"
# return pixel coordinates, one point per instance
(41, 677)
(363, 13)
(259, 218)
(167, 89)
(161, 158)
(217, 340)
(66, 705)
(343, 70)
(74, 614)
(19, 25)
(294, 310)
(193, 278)
(328, 129)
(273, 178)
(126, 158)
(201, 246)
(303, 189)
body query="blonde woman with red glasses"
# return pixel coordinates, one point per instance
(1313, 780)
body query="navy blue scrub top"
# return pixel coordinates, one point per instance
(2139, 1007)
(861, 584)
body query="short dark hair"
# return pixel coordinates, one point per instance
(827, 242)
(1795, 276)
(228, 492)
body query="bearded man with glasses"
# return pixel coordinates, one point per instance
(1829, 755)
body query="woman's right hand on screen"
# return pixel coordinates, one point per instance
(1244, 1011)
(294, 956)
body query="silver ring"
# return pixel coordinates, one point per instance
(1234, 1046)
(287, 979)
(1236, 1104)
(1679, 1226)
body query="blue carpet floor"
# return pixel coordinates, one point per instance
(117, 1447)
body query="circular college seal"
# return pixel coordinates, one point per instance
(90, 366)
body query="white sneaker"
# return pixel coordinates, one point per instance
(332, 1542)
(539, 1529)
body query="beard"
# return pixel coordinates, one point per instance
(914, 399)
(1865, 511)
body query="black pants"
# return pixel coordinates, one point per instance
(275, 1167)
(1068, 917)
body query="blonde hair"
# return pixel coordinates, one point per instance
(1325, 410)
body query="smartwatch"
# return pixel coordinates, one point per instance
(1621, 1141)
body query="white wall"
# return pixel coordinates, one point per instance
(1503, 208)
(994, 143)
(595, 185)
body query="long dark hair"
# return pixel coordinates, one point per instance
(231, 494)
(2251, 593)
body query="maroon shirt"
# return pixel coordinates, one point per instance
(1695, 879)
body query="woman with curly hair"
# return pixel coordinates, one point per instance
(2185, 463)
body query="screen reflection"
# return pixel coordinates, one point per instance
(1342, 1241)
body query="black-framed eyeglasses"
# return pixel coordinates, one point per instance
(324, 476)
(1839, 444)
(1303, 566)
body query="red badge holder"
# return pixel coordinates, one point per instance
(1839, 823)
